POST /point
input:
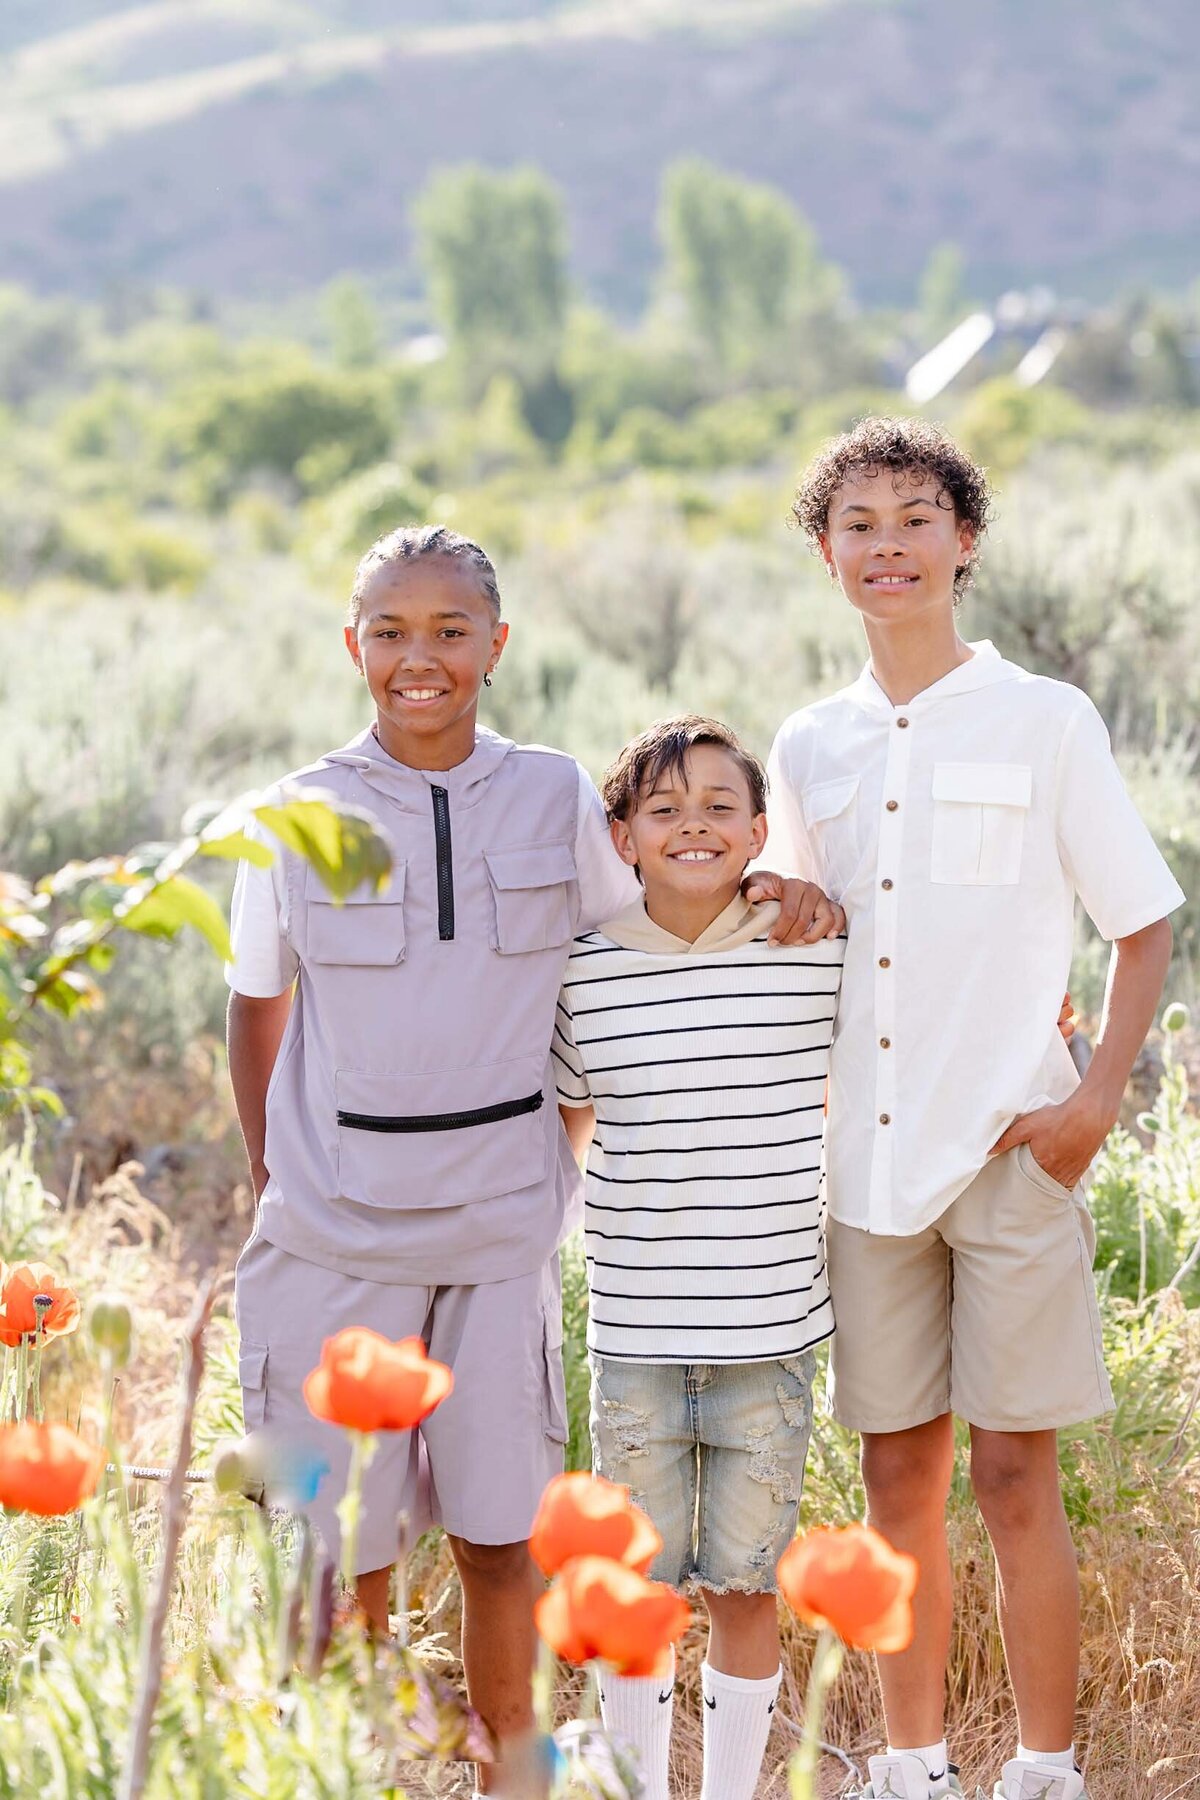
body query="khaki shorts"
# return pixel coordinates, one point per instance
(478, 1464)
(989, 1313)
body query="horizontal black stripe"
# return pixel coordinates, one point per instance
(717, 1206)
(725, 1298)
(613, 1037)
(701, 999)
(696, 1237)
(688, 969)
(708, 1149)
(747, 1326)
(740, 1087)
(680, 1180)
(727, 1056)
(648, 1124)
(657, 1267)
(662, 1357)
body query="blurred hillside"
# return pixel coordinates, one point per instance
(256, 147)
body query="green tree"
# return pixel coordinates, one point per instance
(282, 414)
(494, 250)
(352, 324)
(742, 260)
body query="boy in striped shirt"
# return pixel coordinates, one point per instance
(691, 1061)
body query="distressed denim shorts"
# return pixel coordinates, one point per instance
(714, 1452)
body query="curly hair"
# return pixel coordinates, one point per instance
(409, 543)
(910, 449)
(662, 750)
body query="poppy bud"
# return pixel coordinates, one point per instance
(111, 1325)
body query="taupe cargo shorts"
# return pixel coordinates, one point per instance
(489, 1449)
(990, 1312)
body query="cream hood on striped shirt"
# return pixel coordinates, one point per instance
(740, 923)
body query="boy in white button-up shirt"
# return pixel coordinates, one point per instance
(956, 806)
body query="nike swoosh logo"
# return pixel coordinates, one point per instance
(669, 1695)
(938, 1775)
(771, 1708)
(711, 1703)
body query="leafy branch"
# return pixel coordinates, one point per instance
(59, 936)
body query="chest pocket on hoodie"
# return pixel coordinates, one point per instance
(534, 893)
(366, 928)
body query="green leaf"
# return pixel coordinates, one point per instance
(237, 845)
(342, 843)
(167, 908)
(47, 1100)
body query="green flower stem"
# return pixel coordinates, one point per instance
(826, 1662)
(21, 1397)
(544, 1676)
(39, 1344)
(349, 1508)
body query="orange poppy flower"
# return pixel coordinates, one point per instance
(46, 1469)
(367, 1383)
(853, 1582)
(25, 1282)
(598, 1607)
(584, 1515)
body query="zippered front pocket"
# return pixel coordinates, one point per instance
(440, 1137)
(458, 1121)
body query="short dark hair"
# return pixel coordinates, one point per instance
(663, 750)
(409, 543)
(906, 447)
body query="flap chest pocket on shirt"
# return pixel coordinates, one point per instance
(831, 820)
(979, 822)
(531, 888)
(366, 928)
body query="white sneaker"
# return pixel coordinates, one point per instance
(905, 1777)
(1035, 1781)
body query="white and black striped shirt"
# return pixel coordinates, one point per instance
(704, 1210)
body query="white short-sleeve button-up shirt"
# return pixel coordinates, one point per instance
(956, 830)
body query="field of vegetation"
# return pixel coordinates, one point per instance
(182, 498)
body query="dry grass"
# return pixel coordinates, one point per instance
(1139, 1549)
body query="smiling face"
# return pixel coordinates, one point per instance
(692, 833)
(425, 636)
(894, 544)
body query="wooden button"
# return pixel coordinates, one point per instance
(886, 883)
(885, 1118)
(885, 1043)
(893, 805)
(902, 724)
(885, 962)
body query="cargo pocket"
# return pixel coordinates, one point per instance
(979, 823)
(442, 1137)
(365, 928)
(554, 1387)
(830, 818)
(533, 889)
(252, 1374)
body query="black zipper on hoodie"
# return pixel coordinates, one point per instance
(445, 863)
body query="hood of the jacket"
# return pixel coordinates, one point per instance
(409, 788)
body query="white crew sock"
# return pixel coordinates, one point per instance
(936, 1757)
(638, 1708)
(737, 1723)
(1049, 1759)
